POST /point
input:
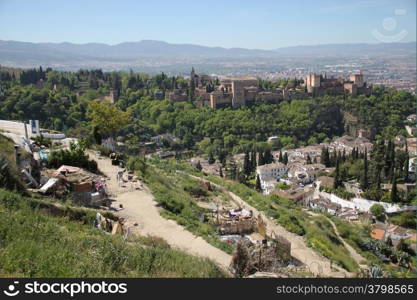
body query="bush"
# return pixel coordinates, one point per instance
(405, 219)
(8, 176)
(195, 190)
(40, 140)
(283, 186)
(377, 210)
(137, 164)
(74, 157)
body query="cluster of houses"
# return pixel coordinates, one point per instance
(292, 174)
(395, 233)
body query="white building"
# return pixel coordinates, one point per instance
(275, 170)
(270, 174)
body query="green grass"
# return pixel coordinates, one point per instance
(321, 237)
(9, 177)
(36, 244)
(172, 191)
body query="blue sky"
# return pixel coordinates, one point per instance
(263, 24)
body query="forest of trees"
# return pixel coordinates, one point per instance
(60, 100)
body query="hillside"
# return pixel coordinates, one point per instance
(34, 243)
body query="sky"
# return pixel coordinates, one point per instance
(260, 24)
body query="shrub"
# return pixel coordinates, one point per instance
(40, 140)
(74, 157)
(195, 190)
(377, 210)
(8, 176)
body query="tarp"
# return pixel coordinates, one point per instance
(49, 184)
(64, 168)
(43, 155)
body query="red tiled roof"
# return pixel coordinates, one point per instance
(377, 234)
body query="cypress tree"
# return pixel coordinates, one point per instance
(280, 159)
(392, 164)
(261, 160)
(406, 163)
(192, 87)
(253, 161)
(246, 164)
(394, 191)
(221, 172)
(268, 158)
(337, 180)
(97, 135)
(211, 159)
(285, 158)
(198, 166)
(309, 160)
(388, 162)
(258, 183)
(364, 183)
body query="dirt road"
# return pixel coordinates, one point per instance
(140, 207)
(317, 264)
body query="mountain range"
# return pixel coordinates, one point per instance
(70, 55)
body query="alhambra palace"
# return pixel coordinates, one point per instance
(238, 92)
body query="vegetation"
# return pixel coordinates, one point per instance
(35, 244)
(376, 252)
(405, 219)
(317, 230)
(106, 118)
(178, 195)
(75, 156)
(377, 210)
(9, 177)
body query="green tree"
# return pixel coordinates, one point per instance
(191, 89)
(406, 163)
(199, 166)
(258, 183)
(106, 117)
(377, 210)
(364, 181)
(211, 159)
(281, 158)
(337, 178)
(97, 135)
(247, 168)
(285, 158)
(394, 191)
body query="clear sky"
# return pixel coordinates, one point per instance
(263, 24)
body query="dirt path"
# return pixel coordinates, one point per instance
(317, 264)
(140, 207)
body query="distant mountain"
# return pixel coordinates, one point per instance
(351, 49)
(146, 48)
(151, 53)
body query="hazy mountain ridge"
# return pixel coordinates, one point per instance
(159, 48)
(152, 54)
